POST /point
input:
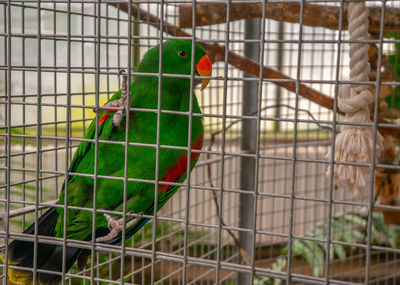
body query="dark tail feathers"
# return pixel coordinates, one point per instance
(49, 257)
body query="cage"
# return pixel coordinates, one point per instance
(259, 206)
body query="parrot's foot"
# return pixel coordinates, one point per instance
(116, 227)
(121, 103)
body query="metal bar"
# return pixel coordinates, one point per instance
(38, 139)
(248, 145)
(110, 269)
(24, 112)
(126, 146)
(374, 153)
(294, 151)
(332, 157)
(96, 136)
(189, 149)
(157, 162)
(104, 38)
(279, 66)
(67, 144)
(223, 144)
(25, 210)
(7, 194)
(178, 257)
(257, 143)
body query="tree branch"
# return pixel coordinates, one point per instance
(314, 15)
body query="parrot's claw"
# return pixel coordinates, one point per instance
(116, 226)
(121, 103)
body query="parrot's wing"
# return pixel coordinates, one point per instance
(76, 189)
(104, 130)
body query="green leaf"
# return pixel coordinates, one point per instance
(355, 219)
(285, 251)
(338, 226)
(394, 35)
(320, 231)
(261, 280)
(393, 99)
(315, 256)
(298, 248)
(394, 59)
(279, 264)
(352, 236)
(339, 251)
(381, 229)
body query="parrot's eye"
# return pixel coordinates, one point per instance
(182, 53)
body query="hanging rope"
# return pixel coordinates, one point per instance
(354, 143)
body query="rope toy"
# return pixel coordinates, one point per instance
(354, 143)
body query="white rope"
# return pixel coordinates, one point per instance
(354, 143)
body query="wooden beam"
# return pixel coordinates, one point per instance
(314, 15)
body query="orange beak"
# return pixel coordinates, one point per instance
(204, 68)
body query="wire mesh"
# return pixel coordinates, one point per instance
(258, 207)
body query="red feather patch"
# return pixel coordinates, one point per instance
(179, 169)
(105, 116)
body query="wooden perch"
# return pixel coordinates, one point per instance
(216, 53)
(314, 15)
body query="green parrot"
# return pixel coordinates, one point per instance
(141, 164)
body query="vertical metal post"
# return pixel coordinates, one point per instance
(135, 42)
(279, 64)
(248, 145)
(135, 46)
(7, 118)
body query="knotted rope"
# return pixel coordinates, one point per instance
(354, 143)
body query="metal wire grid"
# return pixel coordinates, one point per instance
(41, 133)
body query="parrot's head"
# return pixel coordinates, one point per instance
(176, 59)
